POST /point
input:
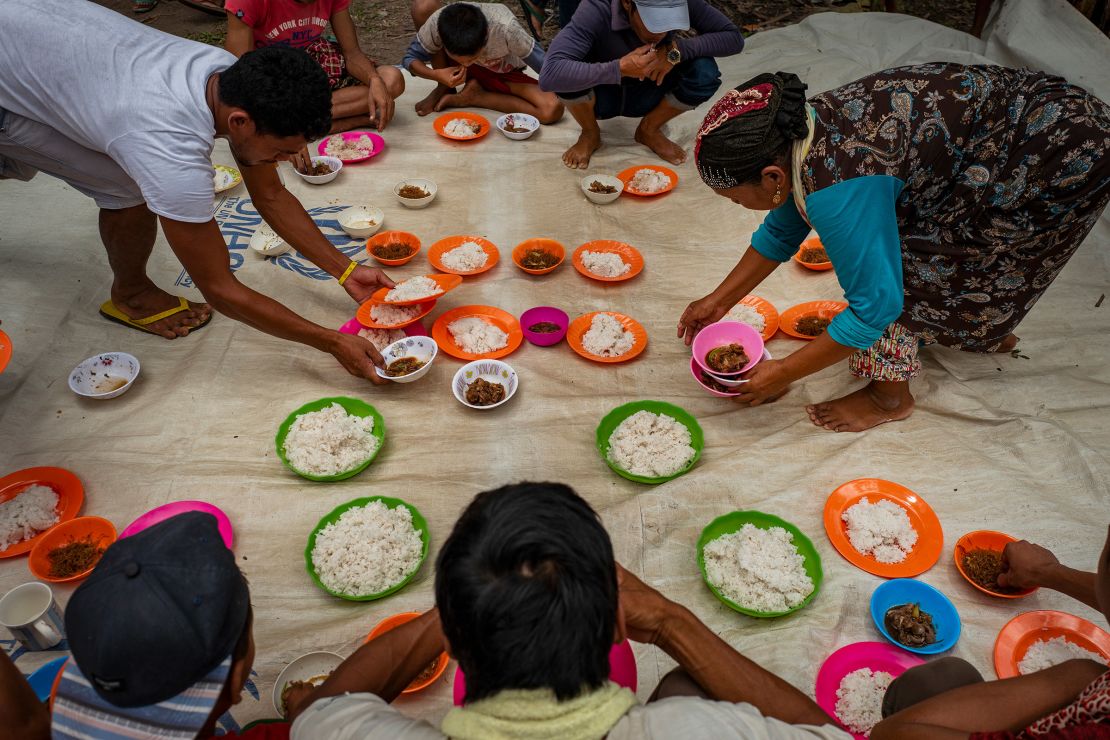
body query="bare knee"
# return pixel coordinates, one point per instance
(393, 79)
(551, 110)
(422, 10)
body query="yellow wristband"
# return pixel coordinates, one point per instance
(347, 273)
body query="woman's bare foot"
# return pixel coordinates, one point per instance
(654, 140)
(876, 403)
(153, 300)
(1009, 344)
(462, 99)
(431, 101)
(578, 156)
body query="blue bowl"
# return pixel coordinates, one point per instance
(909, 591)
(42, 680)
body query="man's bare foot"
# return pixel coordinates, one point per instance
(661, 145)
(1009, 344)
(578, 156)
(462, 99)
(429, 103)
(874, 404)
(153, 300)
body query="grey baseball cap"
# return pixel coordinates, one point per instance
(664, 16)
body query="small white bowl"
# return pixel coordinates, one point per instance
(733, 382)
(361, 221)
(309, 665)
(266, 242)
(335, 163)
(424, 349)
(427, 186)
(99, 376)
(518, 120)
(602, 198)
(492, 371)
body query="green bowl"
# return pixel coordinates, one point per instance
(392, 503)
(611, 420)
(729, 523)
(353, 406)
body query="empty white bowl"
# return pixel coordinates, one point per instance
(518, 120)
(492, 371)
(602, 198)
(424, 349)
(335, 163)
(427, 186)
(307, 667)
(361, 221)
(104, 376)
(266, 242)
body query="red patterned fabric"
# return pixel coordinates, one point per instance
(1086, 718)
(498, 82)
(328, 56)
(732, 104)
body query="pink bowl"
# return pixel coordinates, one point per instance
(695, 370)
(878, 656)
(728, 332)
(160, 514)
(622, 671)
(544, 313)
(412, 330)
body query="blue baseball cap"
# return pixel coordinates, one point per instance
(664, 16)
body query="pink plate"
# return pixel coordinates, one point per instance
(878, 656)
(379, 145)
(622, 671)
(161, 513)
(412, 330)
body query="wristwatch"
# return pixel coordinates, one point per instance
(674, 56)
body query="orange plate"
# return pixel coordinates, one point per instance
(447, 282)
(628, 253)
(581, 325)
(441, 125)
(984, 539)
(813, 243)
(5, 350)
(435, 253)
(388, 237)
(548, 245)
(930, 538)
(71, 494)
(102, 531)
(363, 316)
(769, 313)
(503, 320)
(626, 176)
(390, 623)
(1025, 629)
(824, 309)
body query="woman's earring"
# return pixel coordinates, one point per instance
(778, 196)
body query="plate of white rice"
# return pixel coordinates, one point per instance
(649, 441)
(648, 180)
(477, 333)
(414, 290)
(388, 316)
(461, 126)
(352, 146)
(759, 564)
(608, 261)
(1036, 640)
(607, 336)
(853, 680)
(367, 548)
(463, 255)
(756, 312)
(32, 502)
(331, 439)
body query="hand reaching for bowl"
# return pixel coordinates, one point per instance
(1026, 565)
(766, 382)
(302, 161)
(698, 315)
(357, 356)
(363, 281)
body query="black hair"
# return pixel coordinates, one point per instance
(527, 592)
(463, 29)
(283, 90)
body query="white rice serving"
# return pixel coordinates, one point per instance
(414, 289)
(649, 181)
(388, 315)
(465, 257)
(33, 510)
(477, 337)
(758, 569)
(330, 441)
(1047, 653)
(859, 699)
(354, 149)
(606, 337)
(746, 315)
(881, 530)
(367, 550)
(381, 338)
(605, 264)
(462, 127)
(651, 445)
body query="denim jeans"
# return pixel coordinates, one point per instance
(686, 86)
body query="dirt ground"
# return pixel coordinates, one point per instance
(385, 27)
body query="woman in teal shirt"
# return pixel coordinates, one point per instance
(947, 197)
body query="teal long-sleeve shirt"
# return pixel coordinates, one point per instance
(859, 229)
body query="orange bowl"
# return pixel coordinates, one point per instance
(102, 531)
(1022, 631)
(388, 237)
(813, 243)
(503, 320)
(363, 315)
(447, 283)
(824, 309)
(582, 324)
(548, 245)
(71, 494)
(435, 253)
(440, 125)
(628, 253)
(767, 310)
(396, 621)
(626, 176)
(984, 539)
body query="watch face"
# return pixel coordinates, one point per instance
(673, 56)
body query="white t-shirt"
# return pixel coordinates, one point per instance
(116, 86)
(368, 717)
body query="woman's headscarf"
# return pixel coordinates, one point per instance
(746, 128)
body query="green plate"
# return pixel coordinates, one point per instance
(620, 413)
(354, 407)
(392, 503)
(730, 523)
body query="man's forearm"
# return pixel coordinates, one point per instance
(1078, 584)
(237, 301)
(287, 216)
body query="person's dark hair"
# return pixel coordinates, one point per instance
(463, 29)
(283, 90)
(526, 587)
(752, 127)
